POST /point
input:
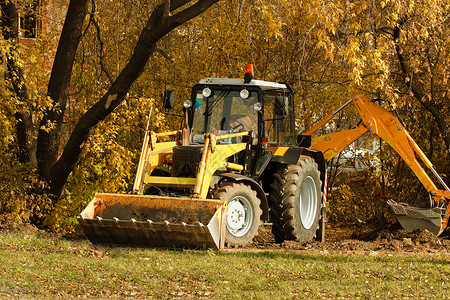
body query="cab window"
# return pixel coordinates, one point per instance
(278, 117)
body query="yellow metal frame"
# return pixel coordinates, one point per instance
(214, 156)
(169, 181)
(153, 154)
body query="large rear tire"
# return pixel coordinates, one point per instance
(243, 212)
(296, 201)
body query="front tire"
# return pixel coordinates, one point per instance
(243, 212)
(296, 201)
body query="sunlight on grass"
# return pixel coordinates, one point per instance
(41, 266)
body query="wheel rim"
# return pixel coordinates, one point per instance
(308, 202)
(239, 216)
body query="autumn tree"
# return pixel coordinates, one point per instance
(51, 167)
(398, 49)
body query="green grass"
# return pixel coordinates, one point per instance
(41, 266)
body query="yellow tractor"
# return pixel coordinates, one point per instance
(238, 162)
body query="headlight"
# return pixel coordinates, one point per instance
(187, 103)
(206, 92)
(257, 106)
(244, 94)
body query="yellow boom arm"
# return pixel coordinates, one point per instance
(378, 120)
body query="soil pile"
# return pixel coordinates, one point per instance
(357, 239)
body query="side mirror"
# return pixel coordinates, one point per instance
(168, 99)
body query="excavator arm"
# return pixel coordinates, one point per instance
(378, 120)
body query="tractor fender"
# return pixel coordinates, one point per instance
(320, 161)
(254, 185)
(292, 155)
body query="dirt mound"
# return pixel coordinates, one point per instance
(420, 235)
(359, 239)
(417, 240)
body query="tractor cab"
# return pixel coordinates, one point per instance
(224, 106)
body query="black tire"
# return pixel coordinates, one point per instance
(241, 229)
(296, 201)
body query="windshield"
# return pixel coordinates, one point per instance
(223, 112)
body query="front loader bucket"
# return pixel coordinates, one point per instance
(412, 218)
(155, 221)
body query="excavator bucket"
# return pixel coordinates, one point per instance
(155, 221)
(412, 218)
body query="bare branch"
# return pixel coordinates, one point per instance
(191, 12)
(100, 41)
(165, 54)
(166, 11)
(339, 82)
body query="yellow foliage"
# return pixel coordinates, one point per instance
(326, 50)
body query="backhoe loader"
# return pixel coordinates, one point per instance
(238, 162)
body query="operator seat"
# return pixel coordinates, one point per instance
(238, 123)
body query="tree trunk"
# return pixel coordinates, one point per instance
(159, 24)
(58, 87)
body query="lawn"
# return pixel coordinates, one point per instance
(39, 265)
